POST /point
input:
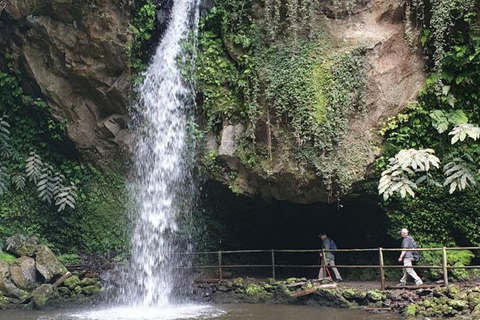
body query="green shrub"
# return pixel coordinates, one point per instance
(69, 258)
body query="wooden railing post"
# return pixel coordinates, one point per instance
(219, 265)
(382, 271)
(273, 264)
(444, 266)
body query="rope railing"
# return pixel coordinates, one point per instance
(381, 264)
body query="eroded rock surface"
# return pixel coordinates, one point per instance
(73, 54)
(394, 74)
(48, 265)
(23, 273)
(7, 287)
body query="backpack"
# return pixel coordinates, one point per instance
(333, 246)
(415, 254)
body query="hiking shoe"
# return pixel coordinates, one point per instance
(400, 284)
(419, 282)
(338, 280)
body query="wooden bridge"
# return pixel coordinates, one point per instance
(220, 267)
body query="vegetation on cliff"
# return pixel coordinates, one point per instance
(272, 68)
(451, 42)
(96, 223)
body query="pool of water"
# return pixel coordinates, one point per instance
(218, 312)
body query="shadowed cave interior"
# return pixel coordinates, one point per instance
(227, 221)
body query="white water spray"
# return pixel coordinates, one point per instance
(161, 165)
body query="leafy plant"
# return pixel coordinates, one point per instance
(406, 164)
(70, 258)
(441, 120)
(458, 175)
(462, 131)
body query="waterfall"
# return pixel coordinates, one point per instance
(162, 171)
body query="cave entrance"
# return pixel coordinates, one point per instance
(232, 222)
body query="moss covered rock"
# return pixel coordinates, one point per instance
(253, 289)
(64, 292)
(88, 282)
(72, 282)
(89, 290)
(48, 265)
(21, 245)
(7, 287)
(23, 273)
(239, 282)
(375, 295)
(43, 294)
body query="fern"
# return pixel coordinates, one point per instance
(19, 181)
(3, 180)
(4, 132)
(462, 131)
(45, 185)
(66, 196)
(33, 167)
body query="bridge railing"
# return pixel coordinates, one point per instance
(381, 266)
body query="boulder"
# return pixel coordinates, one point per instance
(7, 287)
(228, 143)
(43, 294)
(88, 282)
(72, 282)
(78, 62)
(21, 245)
(89, 290)
(23, 273)
(48, 265)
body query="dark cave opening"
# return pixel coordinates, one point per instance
(231, 222)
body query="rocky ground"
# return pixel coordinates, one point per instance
(457, 302)
(31, 276)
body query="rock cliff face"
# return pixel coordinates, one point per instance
(394, 74)
(73, 55)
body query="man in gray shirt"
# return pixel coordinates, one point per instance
(407, 258)
(329, 257)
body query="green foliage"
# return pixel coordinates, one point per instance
(454, 258)
(99, 221)
(67, 259)
(7, 257)
(448, 99)
(406, 164)
(141, 28)
(299, 90)
(442, 120)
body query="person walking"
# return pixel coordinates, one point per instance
(408, 257)
(328, 244)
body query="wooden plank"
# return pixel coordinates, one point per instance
(312, 290)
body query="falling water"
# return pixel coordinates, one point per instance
(161, 166)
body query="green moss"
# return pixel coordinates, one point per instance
(72, 282)
(239, 282)
(89, 290)
(253, 289)
(85, 282)
(375, 295)
(411, 310)
(7, 257)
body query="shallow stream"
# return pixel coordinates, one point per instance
(218, 312)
